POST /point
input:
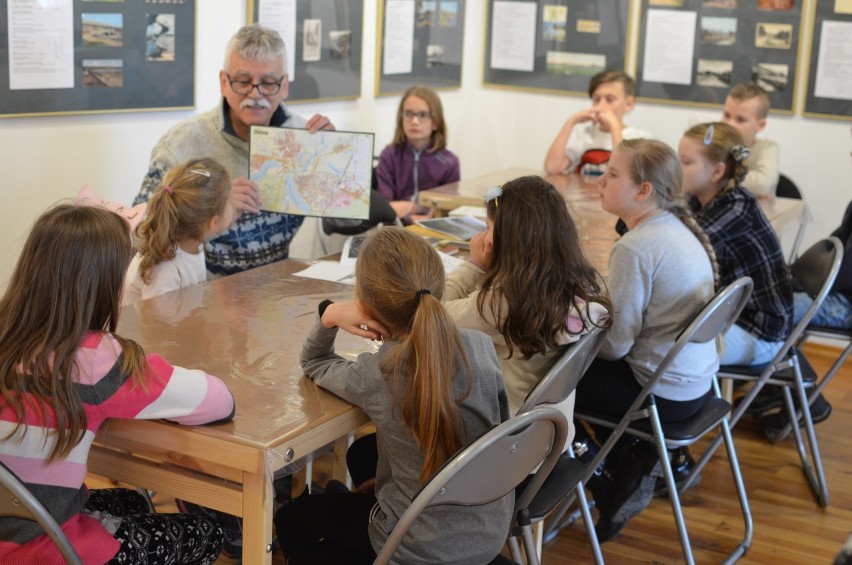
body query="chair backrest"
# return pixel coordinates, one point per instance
(712, 321)
(16, 501)
(787, 188)
(515, 447)
(563, 377)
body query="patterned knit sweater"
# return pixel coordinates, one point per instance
(180, 395)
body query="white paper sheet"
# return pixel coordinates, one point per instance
(513, 36)
(280, 15)
(834, 63)
(41, 44)
(329, 271)
(669, 46)
(398, 42)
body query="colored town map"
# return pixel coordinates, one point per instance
(326, 173)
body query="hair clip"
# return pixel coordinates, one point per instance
(169, 189)
(86, 197)
(740, 153)
(493, 193)
(708, 137)
(201, 172)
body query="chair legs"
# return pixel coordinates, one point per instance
(812, 465)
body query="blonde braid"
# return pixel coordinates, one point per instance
(682, 211)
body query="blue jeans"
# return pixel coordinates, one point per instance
(744, 348)
(835, 311)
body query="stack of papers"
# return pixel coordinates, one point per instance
(460, 228)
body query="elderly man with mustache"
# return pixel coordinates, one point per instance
(254, 85)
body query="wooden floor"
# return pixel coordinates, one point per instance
(789, 525)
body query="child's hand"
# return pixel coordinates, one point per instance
(481, 250)
(244, 196)
(348, 317)
(608, 121)
(586, 115)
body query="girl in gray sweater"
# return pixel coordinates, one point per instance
(661, 273)
(430, 389)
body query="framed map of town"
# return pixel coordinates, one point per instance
(68, 56)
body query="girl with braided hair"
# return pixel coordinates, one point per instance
(661, 273)
(713, 158)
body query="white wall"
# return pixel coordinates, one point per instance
(48, 158)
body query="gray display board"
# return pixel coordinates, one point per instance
(431, 32)
(96, 56)
(733, 41)
(832, 39)
(328, 43)
(573, 41)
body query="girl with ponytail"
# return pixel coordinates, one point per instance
(191, 207)
(430, 389)
(713, 158)
(661, 273)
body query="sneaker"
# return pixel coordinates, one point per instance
(231, 525)
(773, 424)
(682, 464)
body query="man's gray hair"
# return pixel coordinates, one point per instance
(257, 43)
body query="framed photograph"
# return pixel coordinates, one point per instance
(555, 46)
(829, 90)
(107, 56)
(324, 40)
(694, 53)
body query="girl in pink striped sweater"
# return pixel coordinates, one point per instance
(63, 371)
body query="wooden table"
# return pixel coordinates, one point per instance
(596, 227)
(248, 330)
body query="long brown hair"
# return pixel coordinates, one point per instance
(538, 270)
(192, 194)
(655, 162)
(400, 281)
(67, 282)
(439, 135)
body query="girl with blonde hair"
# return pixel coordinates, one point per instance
(430, 389)
(189, 208)
(714, 164)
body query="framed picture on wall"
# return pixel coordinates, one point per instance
(69, 56)
(323, 40)
(829, 93)
(553, 45)
(693, 51)
(419, 42)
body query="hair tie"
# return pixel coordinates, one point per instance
(708, 137)
(740, 153)
(494, 193)
(169, 189)
(420, 293)
(201, 172)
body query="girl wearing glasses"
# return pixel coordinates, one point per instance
(417, 158)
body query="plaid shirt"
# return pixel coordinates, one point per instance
(746, 245)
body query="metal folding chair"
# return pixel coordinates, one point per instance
(816, 269)
(564, 482)
(642, 419)
(786, 188)
(16, 501)
(515, 447)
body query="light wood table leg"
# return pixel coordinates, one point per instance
(257, 519)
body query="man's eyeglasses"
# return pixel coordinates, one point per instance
(265, 88)
(409, 115)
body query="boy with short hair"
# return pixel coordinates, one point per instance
(587, 137)
(746, 108)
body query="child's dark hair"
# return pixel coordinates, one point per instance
(722, 143)
(68, 281)
(400, 282)
(192, 194)
(605, 77)
(655, 162)
(439, 135)
(538, 273)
